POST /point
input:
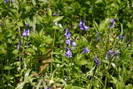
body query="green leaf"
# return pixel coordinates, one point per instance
(8, 67)
(28, 77)
(56, 27)
(56, 53)
(49, 12)
(20, 23)
(34, 2)
(129, 86)
(105, 61)
(31, 20)
(20, 86)
(113, 64)
(27, 73)
(15, 51)
(43, 50)
(1, 37)
(56, 61)
(120, 85)
(48, 39)
(76, 87)
(30, 50)
(40, 81)
(96, 26)
(58, 19)
(83, 62)
(99, 1)
(43, 1)
(104, 25)
(68, 86)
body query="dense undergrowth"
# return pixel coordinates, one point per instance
(66, 44)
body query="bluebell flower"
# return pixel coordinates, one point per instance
(47, 88)
(6, 1)
(98, 32)
(67, 34)
(69, 42)
(98, 38)
(82, 26)
(56, 13)
(116, 55)
(34, 28)
(74, 44)
(81, 72)
(18, 46)
(121, 37)
(26, 32)
(68, 52)
(26, 25)
(85, 50)
(108, 54)
(96, 61)
(112, 23)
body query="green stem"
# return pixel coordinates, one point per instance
(70, 68)
(91, 82)
(2, 73)
(105, 83)
(51, 69)
(93, 7)
(20, 49)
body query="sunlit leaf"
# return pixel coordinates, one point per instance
(58, 19)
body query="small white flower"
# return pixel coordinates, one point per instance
(58, 24)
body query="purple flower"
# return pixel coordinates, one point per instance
(18, 46)
(82, 26)
(112, 23)
(98, 38)
(67, 34)
(99, 32)
(81, 72)
(54, 14)
(85, 50)
(57, 12)
(47, 88)
(26, 32)
(69, 42)
(108, 54)
(27, 25)
(68, 52)
(117, 55)
(121, 37)
(6, 1)
(34, 28)
(74, 44)
(96, 61)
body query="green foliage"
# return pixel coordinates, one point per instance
(37, 60)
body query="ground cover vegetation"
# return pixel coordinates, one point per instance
(66, 44)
